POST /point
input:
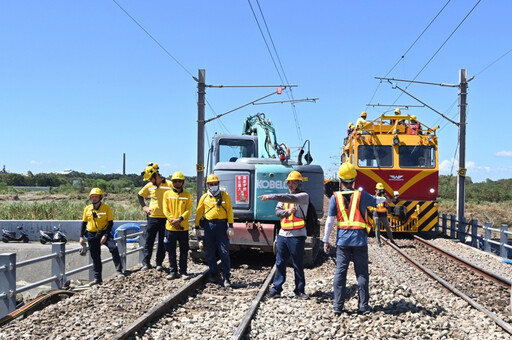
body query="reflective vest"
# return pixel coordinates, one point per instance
(354, 219)
(381, 208)
(292, 221)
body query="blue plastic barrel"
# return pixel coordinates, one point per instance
(131, 229)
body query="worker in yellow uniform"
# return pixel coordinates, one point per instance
(215, 206)
(177, 209)
(361, 120)
(155, 189)
(397, 113)
(380, 214)
(97, 223)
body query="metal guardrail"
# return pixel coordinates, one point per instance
(478, 236)
(8, 266)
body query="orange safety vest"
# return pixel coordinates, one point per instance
(291, 222)
(381, 208)
(354, 219)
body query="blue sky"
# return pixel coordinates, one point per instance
(81, 83)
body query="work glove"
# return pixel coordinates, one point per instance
(83, 250)
(230, 232)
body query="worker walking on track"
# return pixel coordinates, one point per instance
(348, 208)
(97, 224)
(177, 209)
(215, 206)
(155, 189)
(380, 215)
(292, 209)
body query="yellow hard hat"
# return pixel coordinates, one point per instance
(96, 191)
(363, 114)
(177, 175)
(379, 186)
(350, 124)
(397, 111)
(212, 178)
(294, 176)
(413, 117)
(347, 172)
(149, 171)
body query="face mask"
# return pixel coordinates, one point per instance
(214, 188)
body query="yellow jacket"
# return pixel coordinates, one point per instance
(157, 195)
(177, 205)
(100, 222)
(208, 207)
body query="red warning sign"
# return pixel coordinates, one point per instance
(242, 189)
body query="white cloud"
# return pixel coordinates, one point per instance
(503, 153)
(446, 166)
(35, 162)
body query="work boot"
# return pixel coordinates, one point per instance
(145, 267)
(274, 295)
(302, 296)
(214, 278)
(159, 268)
(120, 275)
(226, 283)
(185, 276)
(172, 276)
(95, 282)
(337, 310)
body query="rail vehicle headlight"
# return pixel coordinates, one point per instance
(396, 141)
(432, 190)
(360, 188)
(363, 138)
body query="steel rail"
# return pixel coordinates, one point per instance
(242, 327)
(163, 306)
(504, 282)
(506, 326)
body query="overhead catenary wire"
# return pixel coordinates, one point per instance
(410, 47)
(153, 38)
(494, 62)
(285, 81)
(440, 47)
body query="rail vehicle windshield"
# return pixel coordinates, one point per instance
(232, 149)
(416, 156)
(375, 156)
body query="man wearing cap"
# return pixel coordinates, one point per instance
(155, 189)
(348, 207)
(292, 209)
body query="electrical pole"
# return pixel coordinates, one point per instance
(461, 192)
(201, 91)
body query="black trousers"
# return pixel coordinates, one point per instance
(155, 226)
(95, 250)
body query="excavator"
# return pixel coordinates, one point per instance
(254, 164)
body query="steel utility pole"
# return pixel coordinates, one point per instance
(461, 190)
(201, 91)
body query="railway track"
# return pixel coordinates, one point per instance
(191, 311)
(484, 290)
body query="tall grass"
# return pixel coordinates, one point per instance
(496, 213)
(63, 210)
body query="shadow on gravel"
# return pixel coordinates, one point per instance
(402, 306)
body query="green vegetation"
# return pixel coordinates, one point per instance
(488, 191)
(67, 195)
(489, 201)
